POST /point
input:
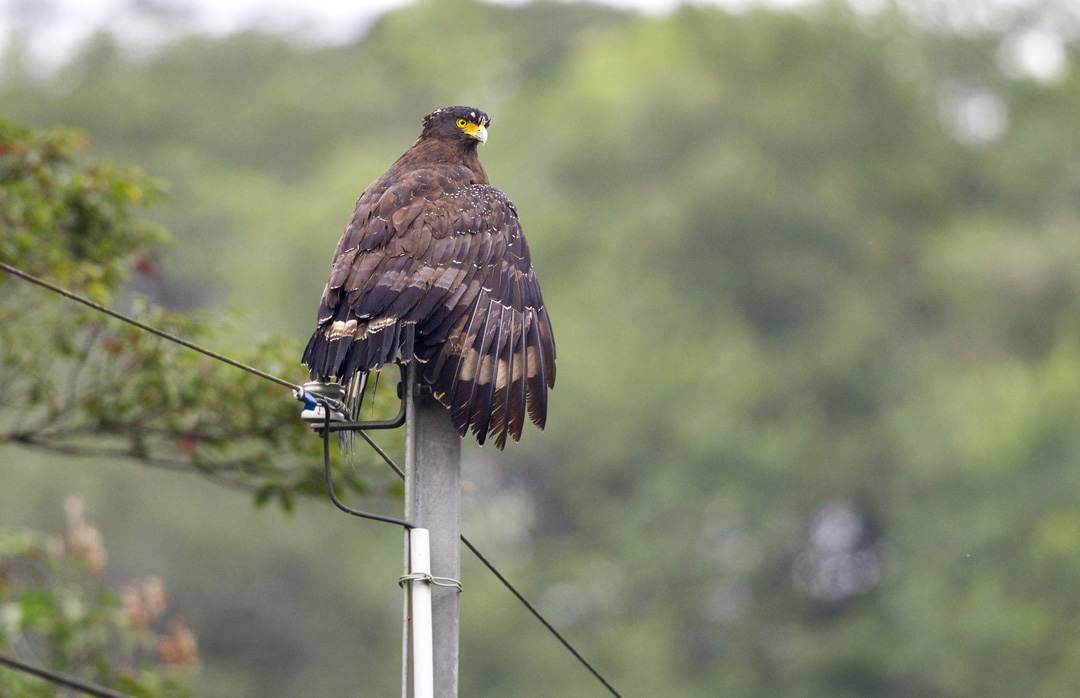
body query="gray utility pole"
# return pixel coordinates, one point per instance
(433, 501)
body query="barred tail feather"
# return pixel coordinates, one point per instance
(537, 379)
(520, 390)
(501, 414)
(338, 350)
(487, 381)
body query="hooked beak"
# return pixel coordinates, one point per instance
(477, 131)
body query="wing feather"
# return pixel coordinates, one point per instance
(435, 267)
(500, 416)
(537, 380)
(489, 377)
(520, 385)
(464, 380)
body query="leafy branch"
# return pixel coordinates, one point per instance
(76, 383)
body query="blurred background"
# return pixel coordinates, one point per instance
(814, 275)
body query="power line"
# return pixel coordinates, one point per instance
(513, 590)
(61, 679)
(389, 461)
(540, 617)
(143, 326)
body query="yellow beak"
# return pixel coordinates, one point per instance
(477, 131)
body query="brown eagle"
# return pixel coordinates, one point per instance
(433, 266)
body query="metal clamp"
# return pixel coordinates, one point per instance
(437, 581)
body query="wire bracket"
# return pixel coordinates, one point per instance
(325, 433)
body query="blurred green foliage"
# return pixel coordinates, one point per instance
(80, 383)
(56, 608)
(814, 280)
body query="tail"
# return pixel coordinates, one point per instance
(493, 372)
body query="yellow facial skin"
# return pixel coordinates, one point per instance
(473, 130)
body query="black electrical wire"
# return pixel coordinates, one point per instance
(513, 590)
(142, 326)
(326, 455)
(487, 563)
(61, 679)
(540, 617)
(330, 479)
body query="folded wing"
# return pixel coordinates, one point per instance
(445, 277)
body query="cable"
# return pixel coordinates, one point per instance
(142, 326)
(330, 479)
(389, 461)
(513, 590)
(61, 679)
(386, 458)
(540, 617)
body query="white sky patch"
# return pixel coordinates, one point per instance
(54, 29)
(867, 7)
(972, 115)
(331, 21)
(838, 563)
(1038, 54)
(662, 7)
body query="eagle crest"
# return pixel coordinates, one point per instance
(433, 266)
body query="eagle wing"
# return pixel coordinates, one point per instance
(441, 274)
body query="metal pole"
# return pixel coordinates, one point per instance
(433, 501)
(409, 392)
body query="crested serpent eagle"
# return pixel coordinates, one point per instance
(433, 266)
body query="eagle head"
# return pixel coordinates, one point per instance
(461, 124)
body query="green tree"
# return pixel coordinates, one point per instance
(814, 282)
(77, 382)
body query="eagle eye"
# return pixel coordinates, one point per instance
(461, 123)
